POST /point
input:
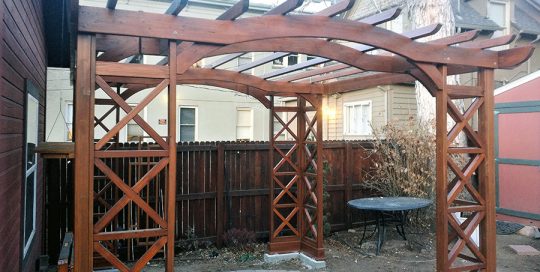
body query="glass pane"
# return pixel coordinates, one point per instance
(187, 133)
(29, 207)
(293, 59)
(243, 133)
(32, 124)
(243, 117)
(497, 12)
(134, 132)
(187, 116)
(69, 113)
(278, 62)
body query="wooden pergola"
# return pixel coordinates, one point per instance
(296, 177)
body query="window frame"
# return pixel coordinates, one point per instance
(124, 130)
(69, 125)
(251, 114)
(252, 57)
(32, 94)
(346, 122)
(195, 126)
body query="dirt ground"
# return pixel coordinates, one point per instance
(343, 254)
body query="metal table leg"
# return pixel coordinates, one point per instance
(381, 231)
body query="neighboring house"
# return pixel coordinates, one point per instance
(347, 115)
(22, 125)
(517, 150)
(204, 113)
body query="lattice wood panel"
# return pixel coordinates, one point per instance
(465, 179)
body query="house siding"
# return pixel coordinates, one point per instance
(23, 56)
(401, 103)
(334, 124)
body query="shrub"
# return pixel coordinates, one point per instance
(404, 160)
(239, 238)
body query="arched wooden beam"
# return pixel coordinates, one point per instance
(98, 20)
(317, 47)
(271, 87)
(365, 82)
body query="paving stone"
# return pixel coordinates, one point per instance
(524, 250)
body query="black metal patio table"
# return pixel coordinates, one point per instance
(397, 207)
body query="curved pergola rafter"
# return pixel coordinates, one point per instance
(296, 225)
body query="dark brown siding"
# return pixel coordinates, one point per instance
(23, 57)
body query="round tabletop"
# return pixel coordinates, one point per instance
(389, 203)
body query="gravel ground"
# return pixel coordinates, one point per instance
(343, 254)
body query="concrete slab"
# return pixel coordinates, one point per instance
(306, 260)
(525, 250)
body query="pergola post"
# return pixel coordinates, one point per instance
(462, 205)
(84, 153)
(486, 172)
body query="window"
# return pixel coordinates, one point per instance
(245, 59)
(69, 121)
(498, 13)
(357, 118)
(32, 125)
(244, 124)
(134, 132)
(289, 60)
(188, 124)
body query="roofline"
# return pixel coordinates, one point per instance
(518, 82)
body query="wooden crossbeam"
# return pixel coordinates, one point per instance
(111, 4)
(414, 34)
(462, 37)
(329, 12)
(176, 6)
(285, 7)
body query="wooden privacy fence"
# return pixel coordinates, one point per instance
(220, 185)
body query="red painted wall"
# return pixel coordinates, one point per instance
(22, 57)
(519, 185)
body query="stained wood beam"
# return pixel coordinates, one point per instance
(176, 6)
(231, 14)
(96, 20)
(414, 34)
(364, 82)
(458, 38)
(329, 12)
(285, 7)
(111, 4)
(235, 11)
(376, 19)
(488, 43)
(329, 76)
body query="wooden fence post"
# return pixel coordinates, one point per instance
(220, 215)
(349, 171)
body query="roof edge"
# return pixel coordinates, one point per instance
(518, 82)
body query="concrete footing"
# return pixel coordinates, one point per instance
(306, 260)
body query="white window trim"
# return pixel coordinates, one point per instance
(286, 61)
(252, 55)
(507, 19)
(196, 122)
(345, 117)
(28, 172)
(68, 103)
(124, 130)
(252, 121)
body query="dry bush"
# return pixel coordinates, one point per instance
(404, 160)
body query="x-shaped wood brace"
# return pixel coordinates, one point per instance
(462, 121)
(285, 126)
(286, 189)
(131, 113)
(463, 178)
(465, 237)
(285, 222)
(130, 194)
